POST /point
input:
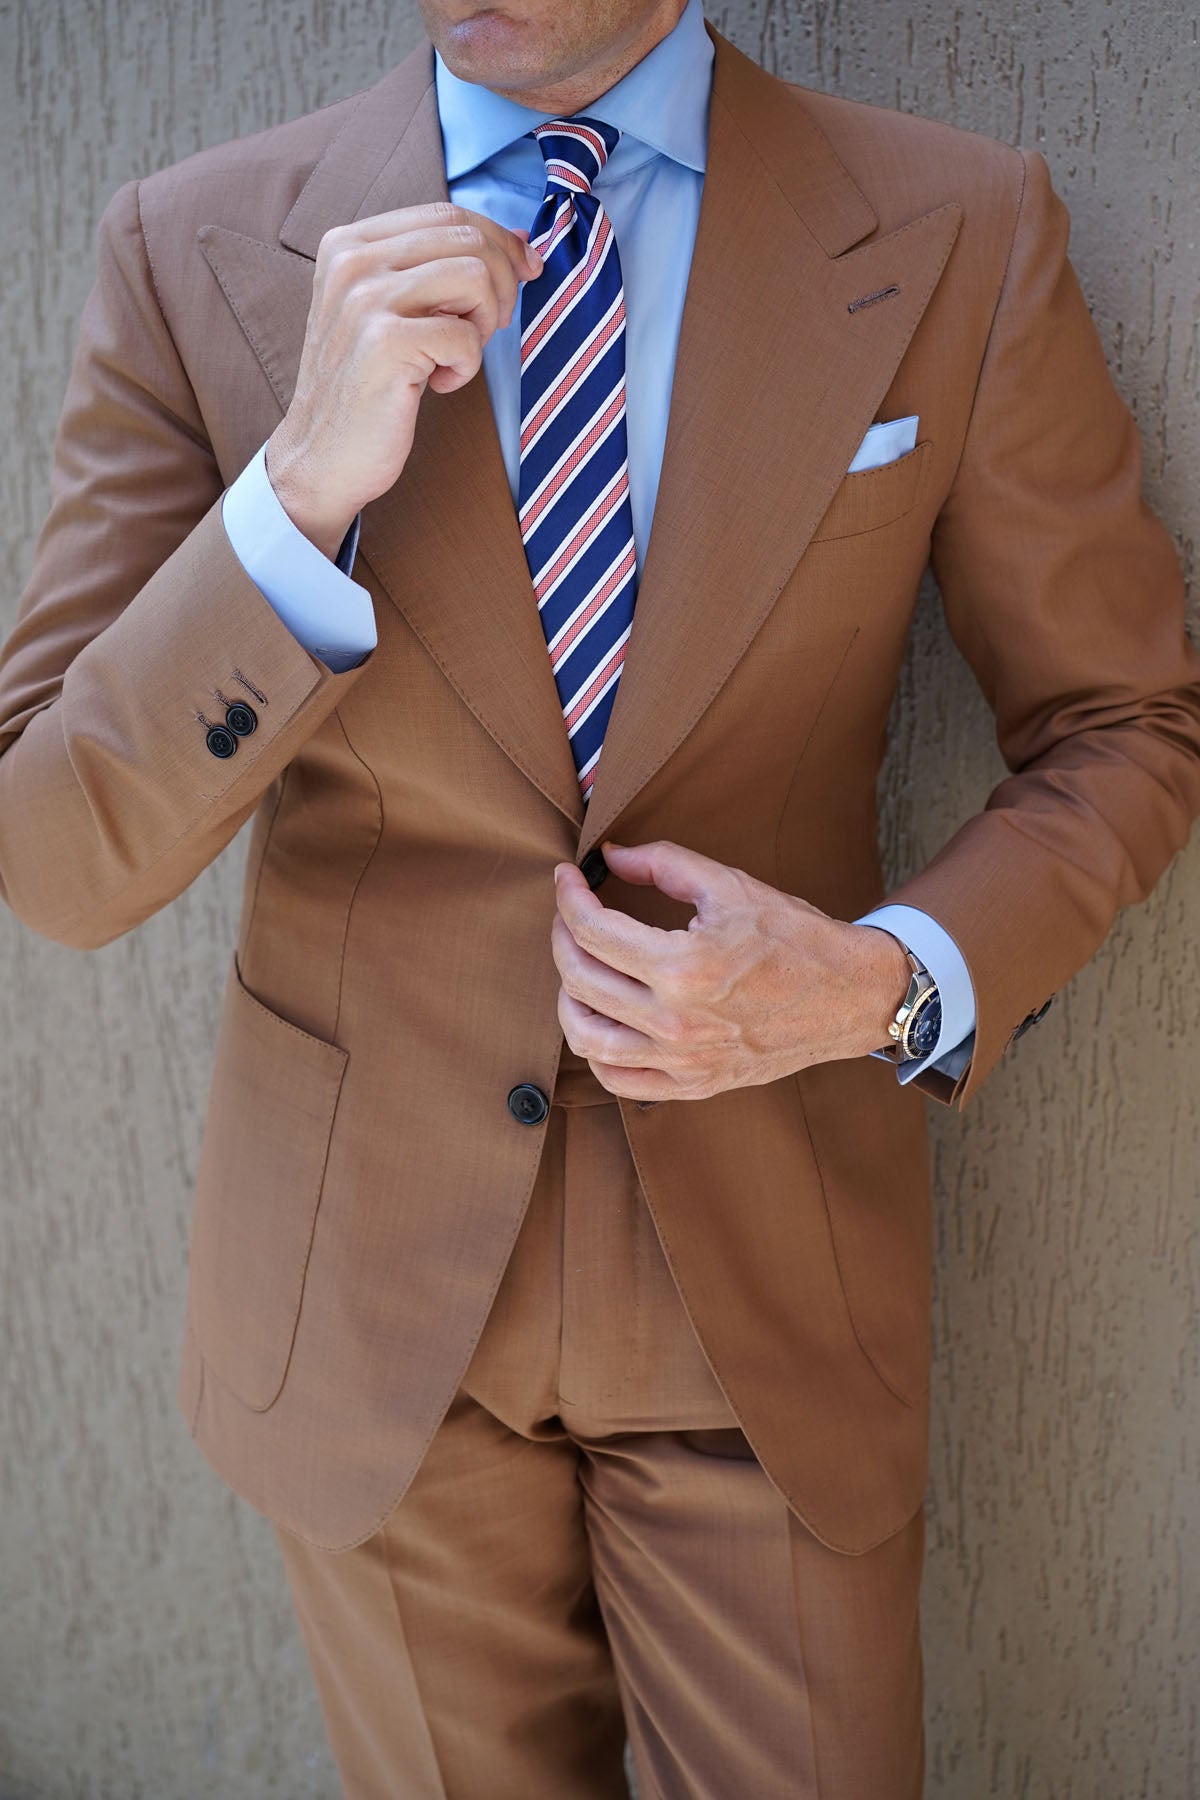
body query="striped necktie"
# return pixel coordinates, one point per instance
(573, 498)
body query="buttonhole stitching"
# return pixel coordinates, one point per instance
(249, 686)
(887, 293)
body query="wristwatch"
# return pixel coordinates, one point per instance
(915, 1030)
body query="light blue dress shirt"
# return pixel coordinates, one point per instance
(651, 188)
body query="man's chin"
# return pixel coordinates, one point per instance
(494, 50)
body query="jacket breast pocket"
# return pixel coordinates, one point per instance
(875, 497)
(271, 1107)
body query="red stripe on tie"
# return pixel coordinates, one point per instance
(574, 506)
(587, 530)
(567, 294)
(557, 229)
(598, 682)
(583, 448)
(584, 133)
(572, 128)
(620, 574)
(566, 172)
(573, 374)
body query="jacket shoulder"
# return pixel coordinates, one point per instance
(907, 164)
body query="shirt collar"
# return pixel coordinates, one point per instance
(663, 102)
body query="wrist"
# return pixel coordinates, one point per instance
(296, 492)
(882, 983)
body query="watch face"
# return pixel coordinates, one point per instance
(925, 1028)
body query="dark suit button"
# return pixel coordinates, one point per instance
(241, 719)
(528, 1104)
(594, 868)
(221, 742)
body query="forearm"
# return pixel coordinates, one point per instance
(111, 801)
(137, 629)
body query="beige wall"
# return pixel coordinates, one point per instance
(146, 1646)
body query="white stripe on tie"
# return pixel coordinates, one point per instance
(573, 496)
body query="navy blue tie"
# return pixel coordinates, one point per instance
(573, 499)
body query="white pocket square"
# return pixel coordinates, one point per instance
(884, 444)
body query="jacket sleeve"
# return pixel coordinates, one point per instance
(137, 630)
(1064, 594)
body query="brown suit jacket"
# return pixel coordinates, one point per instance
(362, 1179)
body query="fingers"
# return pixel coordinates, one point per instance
(435, 215)
(674, 870)
(637, 1084)
(591, 1034)
(606, 1015)
(465, 285)
(451, 347)
(479, 288)
(612, 937)
(417, 234)
(440, 259)
(635, 1000)
(616, 1056)
(598, 986)
(401, 302)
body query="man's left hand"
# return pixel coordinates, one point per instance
(760, 984)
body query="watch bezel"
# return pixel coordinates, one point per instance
(922, 989)
(916, 1014)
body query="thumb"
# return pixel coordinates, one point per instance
(679, 873)
(533, 257)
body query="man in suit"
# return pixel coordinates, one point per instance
(559, 1266)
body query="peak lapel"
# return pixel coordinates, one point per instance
(776, 381)
(444, 541)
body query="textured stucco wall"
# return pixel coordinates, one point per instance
(146, 1645)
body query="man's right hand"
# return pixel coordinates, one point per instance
(402, 301)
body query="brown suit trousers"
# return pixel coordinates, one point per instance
(590, 1548)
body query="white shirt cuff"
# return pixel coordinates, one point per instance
(331, 615)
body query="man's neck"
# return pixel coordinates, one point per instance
(577, 91)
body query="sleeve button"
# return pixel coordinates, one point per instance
(220, 742)
(241, 719)
(1034, 1018)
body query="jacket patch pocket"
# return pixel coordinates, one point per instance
(262, 1163)
(875, 497)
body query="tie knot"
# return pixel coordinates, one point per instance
(574, 151)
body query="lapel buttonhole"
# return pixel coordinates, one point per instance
(859, 305)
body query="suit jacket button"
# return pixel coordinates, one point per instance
(528, 1104)
(241, 719)
(220, 742)
(593, 868)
